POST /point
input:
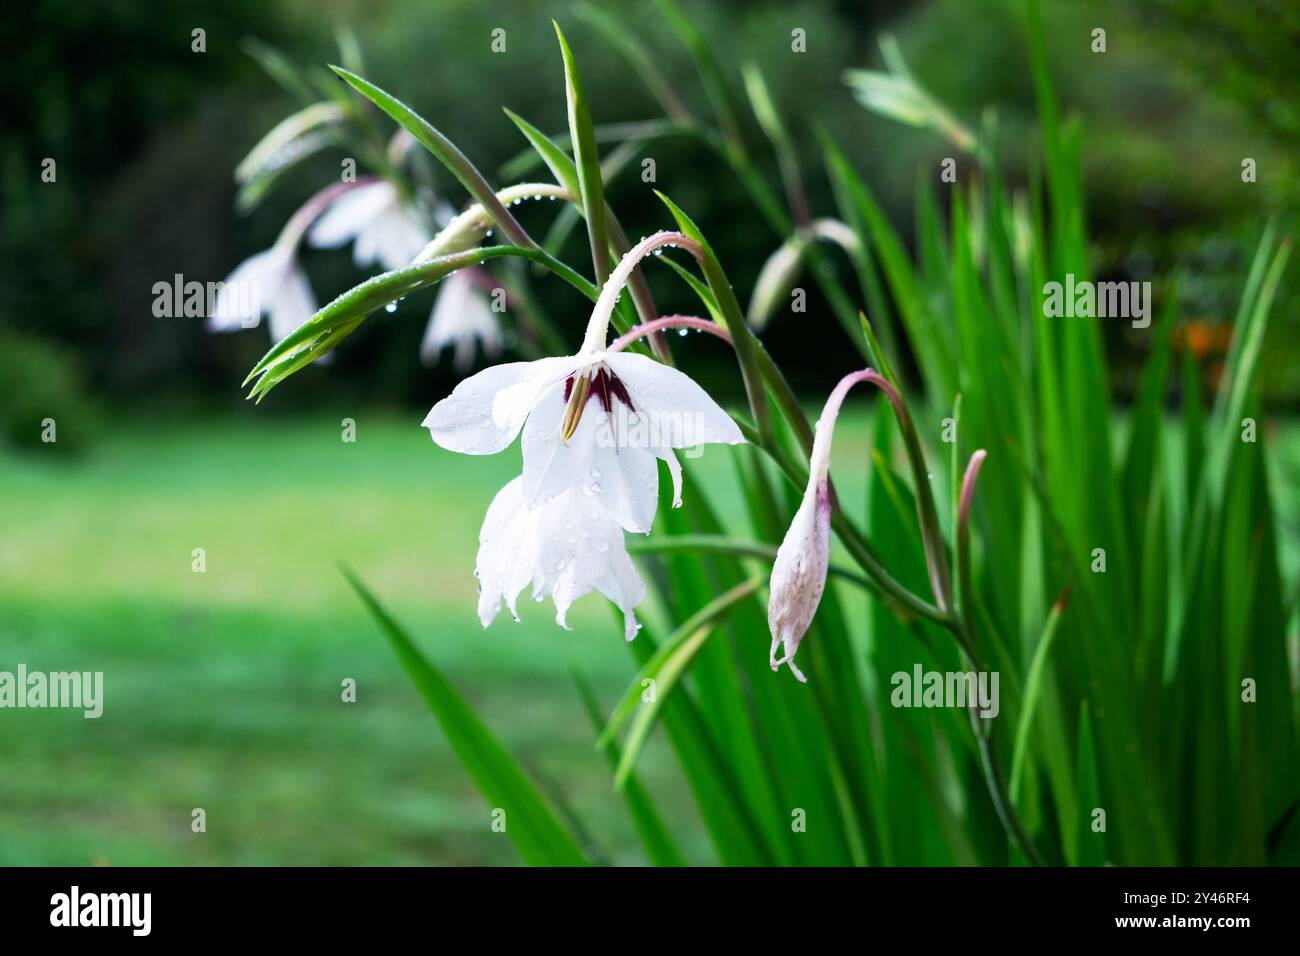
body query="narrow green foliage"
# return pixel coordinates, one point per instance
(529, 823)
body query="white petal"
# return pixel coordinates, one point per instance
(622, 480)
(293, 304)
(580, 548)
(485, 412)
(346, 217)
(366, 248)
(674, 469)
(552, 466)
(400, 240)
(626, 483)
(507, 553)
(249, 290)
(566, 548)
(682, 413)
(460, 315)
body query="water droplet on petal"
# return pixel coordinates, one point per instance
(391, 307)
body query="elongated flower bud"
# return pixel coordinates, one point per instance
(799, 572)
(469, 228)
(782, 269)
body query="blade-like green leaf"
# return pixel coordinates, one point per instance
(531, 825)
(278, 67)
(445, 151)
(667, 665)
(659, 845)
(1033, 687)
(587, 159)
(556, 159)
(1090, 843)
(636, 55)
(329, 326)
(710, 73)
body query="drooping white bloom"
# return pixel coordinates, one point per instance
(462, 319)
(799, 572)
(381, 226)
(270, 283)
(564, 548)
(643, 410)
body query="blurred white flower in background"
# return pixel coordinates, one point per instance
(373, 216)
(270, 283)
(462, 318)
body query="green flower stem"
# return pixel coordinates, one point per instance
(995, 780)
(743, 339)
(928, 515)
(852, 539)
(638, 288)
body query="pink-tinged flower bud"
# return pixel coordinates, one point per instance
(799, 572)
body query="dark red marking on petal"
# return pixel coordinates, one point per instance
(600, 388)
(607, 386)
(619, 391)
(568, 388)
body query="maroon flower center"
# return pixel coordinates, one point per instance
(606, 386)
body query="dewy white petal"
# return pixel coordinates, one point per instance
(799, 574)
(626, 483)
(682, 413)
(566, 548)
(484, 413)
(674, 469)
(552, 466)
(507, 553)
(623, 481)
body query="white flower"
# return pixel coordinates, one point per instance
(598, 418)
(384, 228)
(461, 317)
(564, 548)
(799, 572)
(270, 282)
(642, 411)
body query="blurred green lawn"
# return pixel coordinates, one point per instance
(222, 689)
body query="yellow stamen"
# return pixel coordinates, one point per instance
(577, 402)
